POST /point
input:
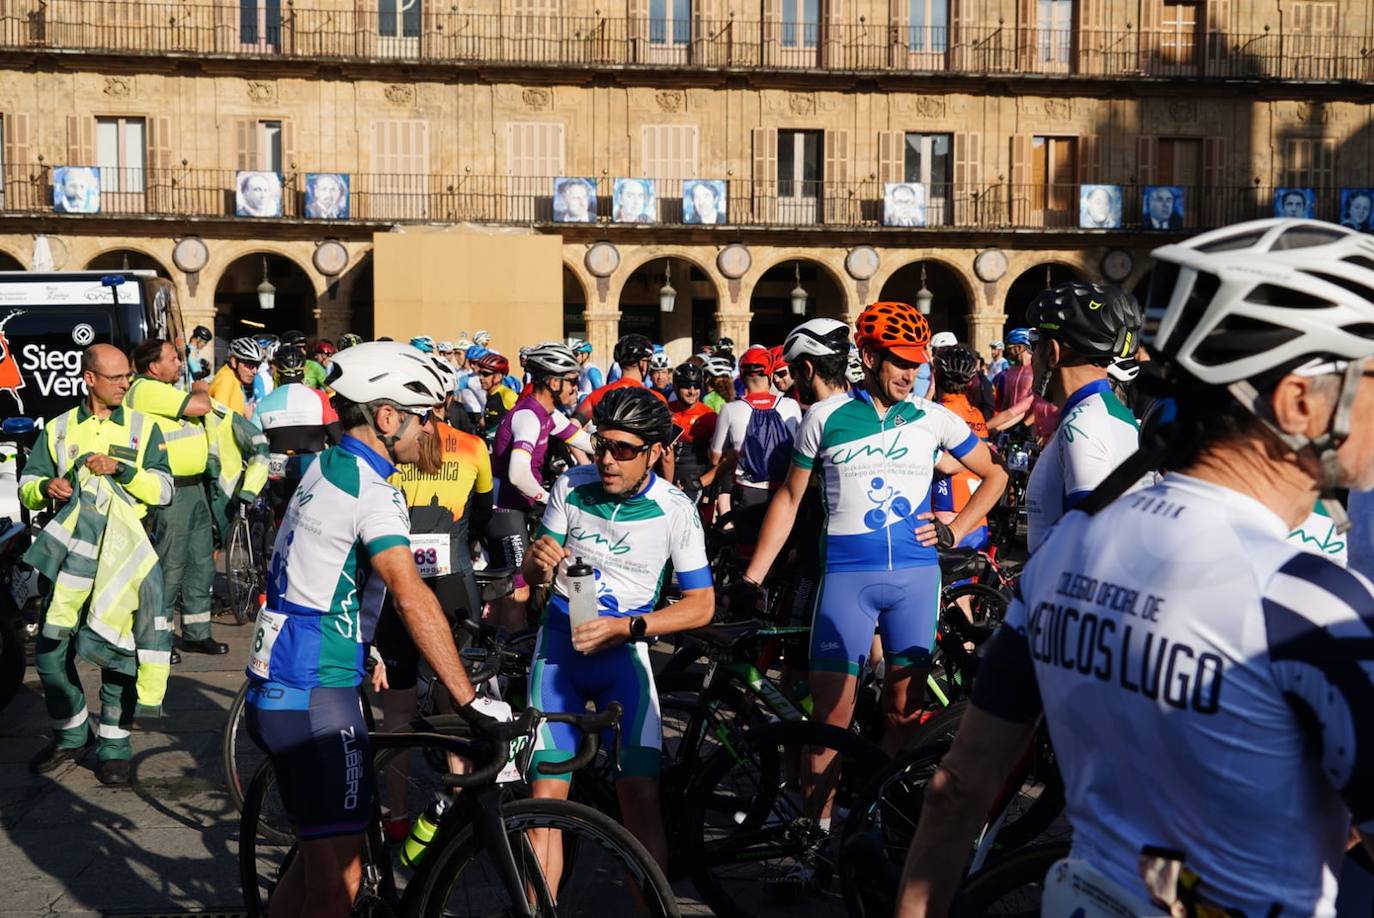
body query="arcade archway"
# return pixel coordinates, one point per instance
(1030, 284)
(772, 315)
(127, 260)
(692, 320)
(949, 306)
(9, 263)
(574, 306)
(238, 310)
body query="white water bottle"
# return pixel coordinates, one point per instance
(581, 593)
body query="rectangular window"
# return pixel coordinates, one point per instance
(534, 149)
(1054, 31)
(121, 149)
(670, 22)
(269, 146)
(801, 23)
(928, 29)
(1180, 162)
(927, 162)
(669, 152)
(1054, 178)
(260, 24)
(398, 18)
(1179, 27)
(801, 172)
(400, 161)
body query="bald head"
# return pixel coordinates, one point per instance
(104, 358)
(105, 371)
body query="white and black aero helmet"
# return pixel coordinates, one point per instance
(387, 371)
(660, 361)
(550, 359)
(246, 349)
(719, 366)
(1242, 306)
(816, 338)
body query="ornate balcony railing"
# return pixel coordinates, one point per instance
(289, 31)
(370, 198)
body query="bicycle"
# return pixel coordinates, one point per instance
(247, 553)
(480, 860)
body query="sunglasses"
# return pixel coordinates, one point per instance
(785, 371)
(683, 388)
(620, 450)
(487, 373)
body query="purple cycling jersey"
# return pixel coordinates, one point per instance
(527, 426)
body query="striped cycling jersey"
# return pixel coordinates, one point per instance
(627, 541)
(343, 514)
(876, 474)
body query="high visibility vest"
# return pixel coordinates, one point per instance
(129, 436)
(188, 450)
(239, 457)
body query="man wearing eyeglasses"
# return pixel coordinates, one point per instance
(102, 437)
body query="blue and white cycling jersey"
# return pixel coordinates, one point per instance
(876, 475)
(628, 542)
(1209, 688)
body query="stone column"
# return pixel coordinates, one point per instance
(734, 324)
(603, 330)
(985, 328)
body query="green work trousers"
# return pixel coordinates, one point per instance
(55, 660)
(183, 535)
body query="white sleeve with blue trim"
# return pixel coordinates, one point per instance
(688, 548)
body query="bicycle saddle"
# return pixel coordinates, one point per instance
(726, 635)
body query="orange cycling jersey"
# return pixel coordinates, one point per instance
(697, 422)
(963, 482)
(465, 469)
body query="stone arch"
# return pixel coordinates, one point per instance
(770, 310)
(942, 273)
(843, 282)
(576, 301)
(643, 255)
(111, 254)
(1027, 284)
(236, 310)
(893, 261)
(133, 246)
(693, 319)
(10, 262)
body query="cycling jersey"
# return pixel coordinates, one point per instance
(1207, 687)
(1013, 384)
(315, 374)
(528, 426)
(321, 603)
(590, 402)
(499, 402)
(876, 474)
(589, 379)
(226, 389)
(298, 422)
(628, 542)
(732, 426)
(1096, 433)
(697, 421)
(952, 492)
(1318, 535)
(439, 502)
(714, 400)
(263, 382)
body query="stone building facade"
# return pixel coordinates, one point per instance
(996, 113)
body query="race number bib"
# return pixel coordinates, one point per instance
(276, 465)
(269, 629)
(431, 553)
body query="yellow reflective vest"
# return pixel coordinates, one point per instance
(188, 449)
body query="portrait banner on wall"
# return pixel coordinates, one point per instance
(326, 195)
(76, 190)
(1099, 207)
(703, 201)
(1163, 207)
(1294, 202)
(904, 204)
(635, 201)
(574, 200)
(1357, 206)
(258, 194)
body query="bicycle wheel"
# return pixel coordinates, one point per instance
(613, 874)
(240, 575)
(1012, 886)
(262, 859)
(751, 846)
(241, 759)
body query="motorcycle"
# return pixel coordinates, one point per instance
(22, 589)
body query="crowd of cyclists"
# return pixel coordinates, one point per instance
(1204, 671)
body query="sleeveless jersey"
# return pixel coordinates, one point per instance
(876, 475)
(526, 426)
(343, 514)
(1096, 433)
(628, 542)
(1208, 689)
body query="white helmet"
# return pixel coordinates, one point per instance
(1270, 295)
(387, 371)
(448, 374)
(719, 366)
(816, 338)
(247, 349)
(445, 347)
(549, 359)
(660, 361)
(481, 337)
(462, 344)
(854, 367)
(943, 339)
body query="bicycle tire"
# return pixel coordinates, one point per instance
(1020, 874)
(439, 880)
(255, 886)
(731, 839)
(240, 575)
(240, 756)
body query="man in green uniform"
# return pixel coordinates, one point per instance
(106, 439)
(182, 531)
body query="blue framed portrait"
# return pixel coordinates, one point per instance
(1357, 208)
(635, 201)
(574, 200)
(1099, 207)
(704, 202)
(1294, 202)
(1162, 207)
(76, 190)
(326, 195)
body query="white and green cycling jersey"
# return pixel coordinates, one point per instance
(627, 541)
(1318, 535)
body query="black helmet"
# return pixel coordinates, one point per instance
(637, 411)
(290, 338)
(201, 333)
(633, 348)
(955, 365)
(725, 344)
(348, 339)
(290, 362)
(1095, 320)
(688, 375)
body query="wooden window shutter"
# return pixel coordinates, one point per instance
(891, 157)
(638, 28)
(1090, 159)
(1215, 185)
(517, 141)
(1149, 18)
(1020, 178)
(18, 165)
(288, 146)
(1219, 15)
(1026, 33)
(245, 144)
(765, 175)
(968, 176)
(1146, 158)
(554, 153)
(835, 190)
(80, 141)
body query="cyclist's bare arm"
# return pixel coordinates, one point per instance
(424, 619)
(957, 800)
(777, 524)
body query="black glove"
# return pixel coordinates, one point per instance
(743, 598)
(944, 536)
(482, 725)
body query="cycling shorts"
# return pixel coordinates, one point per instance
(393, 641)
(507, 538)
(318, 743)
(903, 605)
(562, 679)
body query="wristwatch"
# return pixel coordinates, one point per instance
(638, 627)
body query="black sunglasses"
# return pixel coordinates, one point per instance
(620, 450)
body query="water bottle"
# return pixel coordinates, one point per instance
(581, 593)
(423, 831)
